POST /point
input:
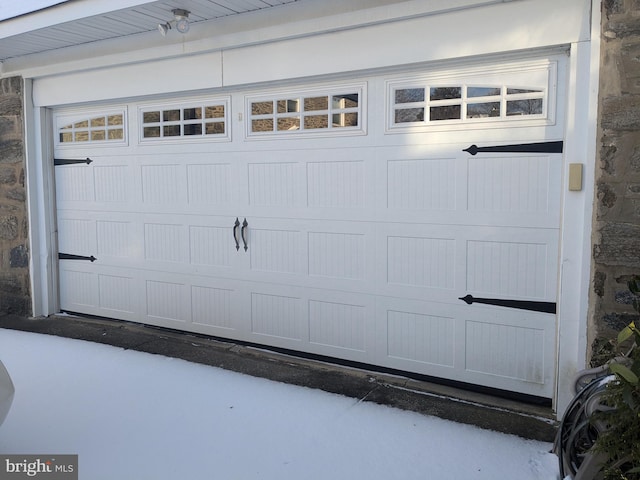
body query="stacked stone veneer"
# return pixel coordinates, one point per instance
(14, 251)
(616, 233)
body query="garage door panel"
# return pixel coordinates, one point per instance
(421, 337)
(189, 244)
(511, 269)
(280, 250)
(422, 184)
(518, 263)
(113, 184)
(320, 182)
(336, 184)
(163, 184)
(424, 337)
(86, 287)
(277, 315)
(320, 321)
(77, 236)
(118, 294)
(275, 250)
(165, 242)
(340, 255)
(74, 184)
(101, 234)
(424, 261)
(509, 345)
(356, 243)
(174, 243)
(479, 344)
(106, 181)
(445, 262)
(210, 184)
(274, 184)
(516, 352)
(212, 306)
(310, 253)
(117, 238)
(343, 324)
(216, 306)
(211, 245)
(524, 185)
(149, 184)
(191, 302)
(78, 289)
(166, 300)
(426, 184)
(338, 324)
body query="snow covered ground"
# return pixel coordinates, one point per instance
(131, 415)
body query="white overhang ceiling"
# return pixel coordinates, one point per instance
(81, 22)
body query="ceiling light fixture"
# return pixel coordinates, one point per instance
(181, 21)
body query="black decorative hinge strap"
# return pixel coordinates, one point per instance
(541, 147)
(544, 307)
(66, 256)
(66, 161)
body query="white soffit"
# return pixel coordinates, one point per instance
(79, 22)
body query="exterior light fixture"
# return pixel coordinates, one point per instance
(181, 21)
(163, 28)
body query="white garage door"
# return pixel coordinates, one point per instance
(340, 218)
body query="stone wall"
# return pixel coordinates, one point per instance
(14, 244)
(616, 234)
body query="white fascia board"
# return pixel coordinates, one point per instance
(258, 27)
(148, 78)
(62, 13)
(491, 29)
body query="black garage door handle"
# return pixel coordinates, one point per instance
(243, 232)
(235, 233)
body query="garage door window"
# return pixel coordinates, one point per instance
(313, 112)
(418, 104)
(525, 93)
(97, 127)
(173, 122)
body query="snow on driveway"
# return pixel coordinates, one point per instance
(132, 415)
